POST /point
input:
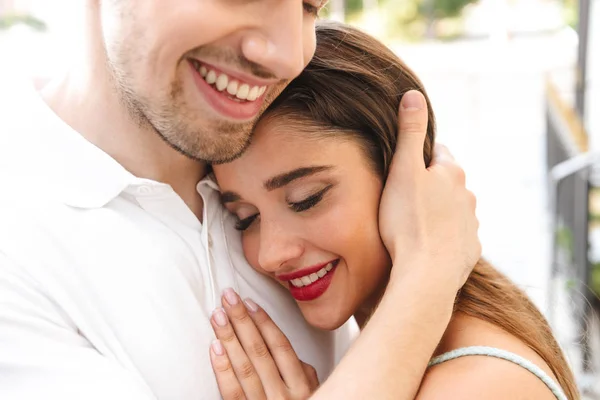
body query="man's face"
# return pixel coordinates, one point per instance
(200, 72)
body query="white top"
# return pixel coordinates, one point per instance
(502, 354)
(107, 281)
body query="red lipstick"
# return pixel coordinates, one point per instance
(313, 290)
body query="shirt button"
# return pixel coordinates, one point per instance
(210, 241)
(144, 190)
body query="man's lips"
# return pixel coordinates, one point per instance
(305, 271)
(240, 76)
(226, 104)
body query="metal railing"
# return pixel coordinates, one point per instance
(569, 166)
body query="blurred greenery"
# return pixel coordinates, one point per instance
(7, 21)
(409, 19)
(417, 19)
(565, 241)
(438, 8)
(595, 279)
(570, 12)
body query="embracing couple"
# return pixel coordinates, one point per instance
(214, 188)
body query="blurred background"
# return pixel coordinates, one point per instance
(514, 84)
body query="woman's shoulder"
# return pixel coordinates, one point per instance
(478, 376)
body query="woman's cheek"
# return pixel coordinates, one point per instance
(338, 229)
(251, 247)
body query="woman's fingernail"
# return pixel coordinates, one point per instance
(250, 305)
(217, 347)
(230, 296)
(412, 100)
(220, 317)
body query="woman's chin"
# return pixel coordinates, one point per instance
(324, 321)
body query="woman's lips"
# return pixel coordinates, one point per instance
(305, 271)
(315, 289)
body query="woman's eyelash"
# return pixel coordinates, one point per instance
(306, 204)
(310, 201)
(245, 223)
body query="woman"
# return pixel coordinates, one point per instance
(306, 195)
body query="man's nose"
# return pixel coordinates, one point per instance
(283, 43)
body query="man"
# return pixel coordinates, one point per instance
(113, 249)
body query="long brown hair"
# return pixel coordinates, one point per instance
(353, 86)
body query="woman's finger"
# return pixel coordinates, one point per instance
(242, 366)
(441, 154)
(288, 363)
(311, 374)
(253, 344)
(412, 129)
(228, 383)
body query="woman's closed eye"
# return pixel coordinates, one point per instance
(310, 201)
(243, 224)
(299, 206)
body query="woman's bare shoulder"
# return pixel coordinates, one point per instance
(477, 377)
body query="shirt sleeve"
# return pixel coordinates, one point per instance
(42, 355)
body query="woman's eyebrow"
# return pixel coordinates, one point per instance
(286, 178)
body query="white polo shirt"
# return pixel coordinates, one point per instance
(108, 281)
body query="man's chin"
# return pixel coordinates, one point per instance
(225, 152)
(225, 160)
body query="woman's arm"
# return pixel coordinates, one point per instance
(389, 358)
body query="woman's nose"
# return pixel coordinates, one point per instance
(278, 245)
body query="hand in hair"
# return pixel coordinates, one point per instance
(427, 216)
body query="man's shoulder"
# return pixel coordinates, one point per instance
(20, 114)
(15, 85)
(27, 211)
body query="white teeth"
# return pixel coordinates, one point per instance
(306, 280)
(232, 88)
(309, 279)
(297, 282)
(253, 93)
(222, 82)
(203, 71)
(211, 77)
(243, 91)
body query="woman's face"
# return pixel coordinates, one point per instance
(308, 208)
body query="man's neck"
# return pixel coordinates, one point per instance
(86, 102)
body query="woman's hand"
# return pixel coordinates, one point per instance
(427, 215)
(252, 359)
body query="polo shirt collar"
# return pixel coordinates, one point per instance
(36, 143)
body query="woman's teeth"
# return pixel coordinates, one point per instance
(221, 82)
(308, 279)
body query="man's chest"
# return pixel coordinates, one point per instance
(141, 290)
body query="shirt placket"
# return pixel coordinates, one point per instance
(160, 201)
